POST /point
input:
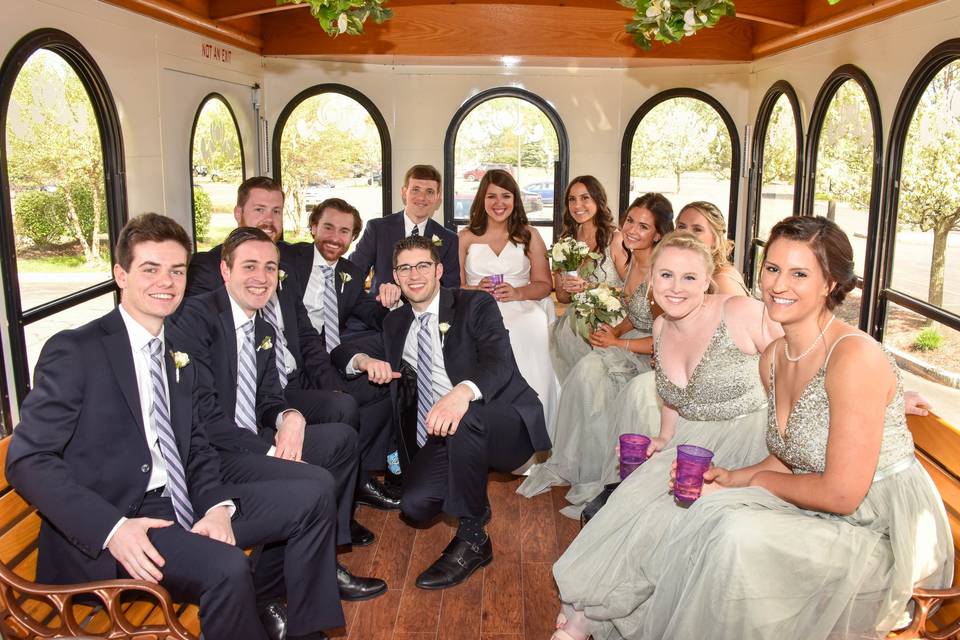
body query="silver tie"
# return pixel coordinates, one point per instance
(176, 478)
(331, 315)
(246, 411)
(271, 313)
(424, 377)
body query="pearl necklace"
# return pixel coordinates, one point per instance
(786, 347)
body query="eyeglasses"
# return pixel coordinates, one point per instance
(423, 268)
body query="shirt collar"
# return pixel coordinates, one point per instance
(433, 307)
(138, 334)
(319, 260)
(410, 224)
(239, 317)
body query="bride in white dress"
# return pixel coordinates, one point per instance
(499, 241)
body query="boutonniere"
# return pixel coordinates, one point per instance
(281, 276)
(344, 279)
(437, 241)
(180, 360)
(444, 327)
(266, 343)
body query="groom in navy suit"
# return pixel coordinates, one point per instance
(421, 197)
(112, 450)
(462, 405)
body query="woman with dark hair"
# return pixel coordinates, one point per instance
(587, 218)
(584, 442)
(502, 254)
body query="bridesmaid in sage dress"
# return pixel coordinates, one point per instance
(586, 217)
(706, 374)
(583, 442)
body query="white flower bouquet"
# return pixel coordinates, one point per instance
(569, 254)
(594, 307)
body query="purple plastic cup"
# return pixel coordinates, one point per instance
(692, 463)
(633, 453)
(496, 279)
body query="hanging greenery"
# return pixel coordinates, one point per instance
(344, 16)
(670, 20)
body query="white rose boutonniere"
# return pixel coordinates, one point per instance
(281, 276)
(266, 343)
(437, 241)
(444, 327)
(344, 279)
(180, 360)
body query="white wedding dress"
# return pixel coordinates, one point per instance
(528, 321)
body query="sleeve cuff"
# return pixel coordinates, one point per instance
(351, 370)
(272, 452)
(229, 504)
(285, 412)
(119, 524)
(476, 390)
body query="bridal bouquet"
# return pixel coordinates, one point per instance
(569, 254)
(595, 306)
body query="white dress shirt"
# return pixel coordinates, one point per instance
(316, 288)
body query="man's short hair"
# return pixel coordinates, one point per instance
(423, 172)
(415, 242)
(239, 236)
(341, 205)
(257, 182)
(149, 227)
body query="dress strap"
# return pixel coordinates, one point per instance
(837, 341)
(737, 282)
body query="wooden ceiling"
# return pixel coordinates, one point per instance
(472, 31)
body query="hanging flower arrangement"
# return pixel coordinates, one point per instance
(344, 16)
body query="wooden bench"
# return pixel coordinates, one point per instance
(129, 609)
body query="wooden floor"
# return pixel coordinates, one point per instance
(513, 598)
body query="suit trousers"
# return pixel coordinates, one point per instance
(376, 413)
(449, 473)
(298, 513)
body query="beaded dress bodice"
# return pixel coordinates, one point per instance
(606, 271)
(723, 385)
(803, 445)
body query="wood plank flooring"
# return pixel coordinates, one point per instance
(513, 598)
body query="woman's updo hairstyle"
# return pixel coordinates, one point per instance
(687, 242)
(723, 246)
(830, 246)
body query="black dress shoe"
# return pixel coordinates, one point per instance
(357, 588)
(273, 617)
(372, 494)
(360, 536)
(597, 503)
(455, 564)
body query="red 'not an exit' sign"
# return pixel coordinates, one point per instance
(216, 52)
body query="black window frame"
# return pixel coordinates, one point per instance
(779, 89)
(115, 191)
(735, 155)
(561, 166)
(214, 95)
(913, 90)
(386, 169)
(848, 72)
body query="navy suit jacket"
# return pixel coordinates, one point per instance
(204, 325)
(352, 301)
(314, 370)
(375, 250)
(80, 452)
(476, 348)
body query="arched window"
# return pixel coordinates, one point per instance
(63, 194)
(776, 175)
(919, 317)
(331, 141)
(683, 144)
(843, 177)
(511, 129)
(216, 170)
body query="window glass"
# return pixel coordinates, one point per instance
(37, 333)
(778, 180)
(217, 171)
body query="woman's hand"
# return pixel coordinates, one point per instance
(916, 404)
(714, 479)
(573, 284)
(486, 284)
(656, 444)
(505, 292)
(604, 336)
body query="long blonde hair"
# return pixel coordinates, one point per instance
(722, 246)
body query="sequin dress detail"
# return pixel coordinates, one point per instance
(613, 567)
(584, 442)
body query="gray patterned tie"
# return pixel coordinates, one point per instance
(331, 316)
(424, 377)
(176, 479)
(270, 313)
(246, 411)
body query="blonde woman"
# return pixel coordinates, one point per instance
(704, 221)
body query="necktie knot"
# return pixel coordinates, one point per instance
(327, 271)
(248, 329)
(416, 230)
(156, 347)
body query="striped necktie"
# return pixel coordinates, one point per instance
(176, 478)
(416, 230)
(331, 310)
(424, 377)
(246, 410)
(270, 313)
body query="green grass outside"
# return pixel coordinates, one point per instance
(60, 264)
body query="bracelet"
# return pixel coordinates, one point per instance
(627, 346)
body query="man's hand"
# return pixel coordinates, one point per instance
(131, 547)
(216, 525)
(444, 417)
(389, 295)
(378, 371)
(289, 439)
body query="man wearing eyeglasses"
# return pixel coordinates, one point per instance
(460, 401)
(421, 198)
